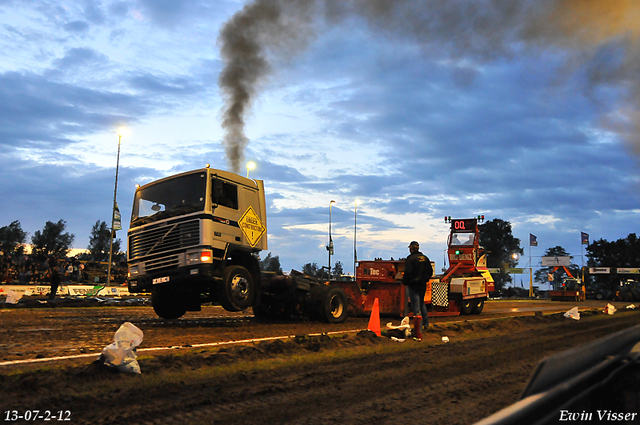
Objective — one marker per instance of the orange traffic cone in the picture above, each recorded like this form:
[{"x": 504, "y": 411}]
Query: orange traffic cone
[{"x": 374, "y": 320}]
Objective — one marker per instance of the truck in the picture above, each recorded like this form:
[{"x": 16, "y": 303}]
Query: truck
[
  {"x": 568, "y": 289},
  {"x": 462, "y": 289},
  {"x": 195, "y": 238}
]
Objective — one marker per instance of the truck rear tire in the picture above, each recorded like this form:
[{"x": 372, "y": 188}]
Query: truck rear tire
[
  {"x": 167, "y": 304},
  {"x": 333, "y": 305},
  {"x": 237, "y": 290},
  {"x": 478, "y": 306},
  {"x": 466, "y": 307}
]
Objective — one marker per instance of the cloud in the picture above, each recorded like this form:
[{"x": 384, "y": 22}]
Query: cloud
[
  {"x": 80, "y": 57},
  {"x": 35, "y": 111},
  {"x": 77, "y": 27}
]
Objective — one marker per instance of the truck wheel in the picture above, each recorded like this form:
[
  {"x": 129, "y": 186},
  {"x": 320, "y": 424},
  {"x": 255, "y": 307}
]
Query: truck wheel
[
  {"x": 167, "y": 304},
  {"x": 237, "y": 289},
  {"x": 466, "y": 307},
  {"x": 333, "y": 306},
  {"x": 478, "y": 306}
]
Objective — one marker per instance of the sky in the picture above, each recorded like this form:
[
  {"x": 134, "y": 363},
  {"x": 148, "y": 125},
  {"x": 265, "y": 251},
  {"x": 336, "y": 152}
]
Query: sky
[{"x": 524, "y": 111}]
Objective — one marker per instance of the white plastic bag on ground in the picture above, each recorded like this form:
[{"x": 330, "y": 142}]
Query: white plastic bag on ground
[
  {"x": 609, "y": 309},
  {"x": 12, "y": 297},
  {"x": 404, "y": 326},
  {"x": 631, "y": 307},
  {"x": 573, "y": 314},
  {"x": 121, "y": 353}
]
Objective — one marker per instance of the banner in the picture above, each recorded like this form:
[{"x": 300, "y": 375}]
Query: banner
[
  {"x": 628, "y": 271},
  {"x": 556, "y": 261},
  {"x": 117, "y": 223},
  {"x": 533, "y": 240},
  {"x": 584, "y": 238}
]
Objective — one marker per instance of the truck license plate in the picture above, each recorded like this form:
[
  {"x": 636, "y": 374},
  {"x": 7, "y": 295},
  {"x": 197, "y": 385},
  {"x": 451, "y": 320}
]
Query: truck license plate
[{"x": 160, "y": 280}]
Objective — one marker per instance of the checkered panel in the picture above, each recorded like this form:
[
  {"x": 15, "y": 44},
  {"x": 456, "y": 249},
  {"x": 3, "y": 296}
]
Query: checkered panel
[{"x": 440, "y": 294}]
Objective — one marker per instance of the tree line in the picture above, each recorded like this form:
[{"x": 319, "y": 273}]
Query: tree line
[
  {"x": 496, "y": 237},
  {"x": 54, "y": 240}
]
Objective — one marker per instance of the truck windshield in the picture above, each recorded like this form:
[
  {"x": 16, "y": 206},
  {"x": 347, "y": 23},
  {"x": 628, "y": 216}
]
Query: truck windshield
[
  {"x": 462, "y": 238},
  {"x": 169, "y": 198}
]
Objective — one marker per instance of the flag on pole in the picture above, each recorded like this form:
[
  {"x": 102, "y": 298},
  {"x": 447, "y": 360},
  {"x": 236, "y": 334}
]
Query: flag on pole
[
  {"x": 584, "y": 238},
  {"x": 117, "y": 223},
  {"x": 533, "y": 240}
]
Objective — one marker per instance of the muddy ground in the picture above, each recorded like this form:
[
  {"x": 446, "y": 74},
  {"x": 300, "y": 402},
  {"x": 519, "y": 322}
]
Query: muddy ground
[{"x": 346, "y": 378}]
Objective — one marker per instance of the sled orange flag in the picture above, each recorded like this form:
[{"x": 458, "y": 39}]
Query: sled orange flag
[{"x": 374, "y": 320}]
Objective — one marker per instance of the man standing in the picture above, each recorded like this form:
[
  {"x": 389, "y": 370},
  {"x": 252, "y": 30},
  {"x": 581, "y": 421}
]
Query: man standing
[
  {"x": 54, "y": 275},
  {"x": 417, "y": 272}
]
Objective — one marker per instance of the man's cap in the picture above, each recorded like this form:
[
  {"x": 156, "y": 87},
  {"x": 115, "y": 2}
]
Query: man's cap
[{"x": 414, "y": 243}]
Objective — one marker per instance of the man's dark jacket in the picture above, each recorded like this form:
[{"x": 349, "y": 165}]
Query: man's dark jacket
[{"x": 417, "y": 271}]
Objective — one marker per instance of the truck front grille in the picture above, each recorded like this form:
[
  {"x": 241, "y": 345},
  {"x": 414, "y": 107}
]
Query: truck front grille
[
  {"x": 161, "y": 263},
  {"x": 165, "y": 238}
]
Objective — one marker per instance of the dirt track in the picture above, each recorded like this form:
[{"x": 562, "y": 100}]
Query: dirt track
[{"x": 348, "y": 379}]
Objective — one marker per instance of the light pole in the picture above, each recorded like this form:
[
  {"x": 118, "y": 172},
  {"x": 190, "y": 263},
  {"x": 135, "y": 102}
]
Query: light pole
[
  {"x": 355, "y": 230},
  {"x": 250, "y": 166},
  {"x": 112, "y": 232},
  {"x": 330, "y": 246},
  {"x": 515, "y": 256}
]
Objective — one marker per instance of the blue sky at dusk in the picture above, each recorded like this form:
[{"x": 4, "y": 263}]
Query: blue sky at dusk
[{"x": 525, "y": 111}]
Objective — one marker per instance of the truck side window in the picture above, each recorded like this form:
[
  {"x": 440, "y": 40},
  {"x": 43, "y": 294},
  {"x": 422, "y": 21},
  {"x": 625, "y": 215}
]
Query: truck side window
[{"x": 224, "y": 194}]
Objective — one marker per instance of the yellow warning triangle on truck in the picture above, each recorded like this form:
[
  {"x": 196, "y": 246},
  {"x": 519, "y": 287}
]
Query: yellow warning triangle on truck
[{"x": 251, "y": 226}]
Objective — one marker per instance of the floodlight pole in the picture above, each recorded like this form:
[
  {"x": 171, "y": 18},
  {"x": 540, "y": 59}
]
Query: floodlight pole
[
  {"x": 355, "y": 230},
  {"x": 330, "y": 246}
]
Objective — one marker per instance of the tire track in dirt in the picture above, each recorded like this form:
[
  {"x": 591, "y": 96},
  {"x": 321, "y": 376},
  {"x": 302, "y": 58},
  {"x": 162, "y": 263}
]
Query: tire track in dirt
[{"x": 457, "y": 383}]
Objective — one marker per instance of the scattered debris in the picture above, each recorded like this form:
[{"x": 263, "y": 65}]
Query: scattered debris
[
  {"x": 12, "y": 297},
  {"x": 445, "y": 339},
  {"x": 631, "y": 307},
  {"x": 609, "y": 309},
  {"x": 573, "y": 314},
  {"x": 121, "y": 354},
  {"x": 399, "y": 332}
]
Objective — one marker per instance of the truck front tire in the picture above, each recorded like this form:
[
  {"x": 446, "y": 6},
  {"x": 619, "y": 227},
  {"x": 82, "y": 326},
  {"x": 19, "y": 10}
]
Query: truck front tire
[
  {"x": 168, "y": 304},
  {"x": 237, "y": 290}
]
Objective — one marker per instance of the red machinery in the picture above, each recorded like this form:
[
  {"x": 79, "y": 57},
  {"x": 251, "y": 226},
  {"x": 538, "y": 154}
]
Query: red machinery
[
  {"x": 571, "y": 289},
  {"x": 463, "y": 289}
]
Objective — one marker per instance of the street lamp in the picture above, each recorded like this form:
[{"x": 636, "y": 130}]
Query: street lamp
[
  {"x": 121, "y": 131},
  {"x": 355, "y": 230},
  {"x": 330, "y": 246},
  {"x": 250, "y": 166}
]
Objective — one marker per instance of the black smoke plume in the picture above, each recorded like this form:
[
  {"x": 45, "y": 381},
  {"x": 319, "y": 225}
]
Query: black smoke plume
[{"x": 598, "y": 38}]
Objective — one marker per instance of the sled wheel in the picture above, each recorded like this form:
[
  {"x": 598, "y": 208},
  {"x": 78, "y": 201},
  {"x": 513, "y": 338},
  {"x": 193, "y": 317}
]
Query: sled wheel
[
  {"x": 167, "y": 304},
  {"x": 466, "y": 307},
  {"x": 478, "y": 306},
  {"x": 333, "y": 305},
  {"x": 237, "y": 289}
]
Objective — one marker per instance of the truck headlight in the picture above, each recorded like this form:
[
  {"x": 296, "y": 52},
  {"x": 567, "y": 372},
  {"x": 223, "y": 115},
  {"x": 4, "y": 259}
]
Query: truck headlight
[
  {"x": 133, "y": 270},
  {"x": 199, "y": 257}
]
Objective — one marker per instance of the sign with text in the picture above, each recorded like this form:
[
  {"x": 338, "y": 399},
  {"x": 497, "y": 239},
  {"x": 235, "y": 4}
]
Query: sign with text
[
  {"x": 628, "y": 271},
  {"x": 599, "y": 270},
  {"x": 556, "y": 261},
  {"x": 251, "y": 226}
]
